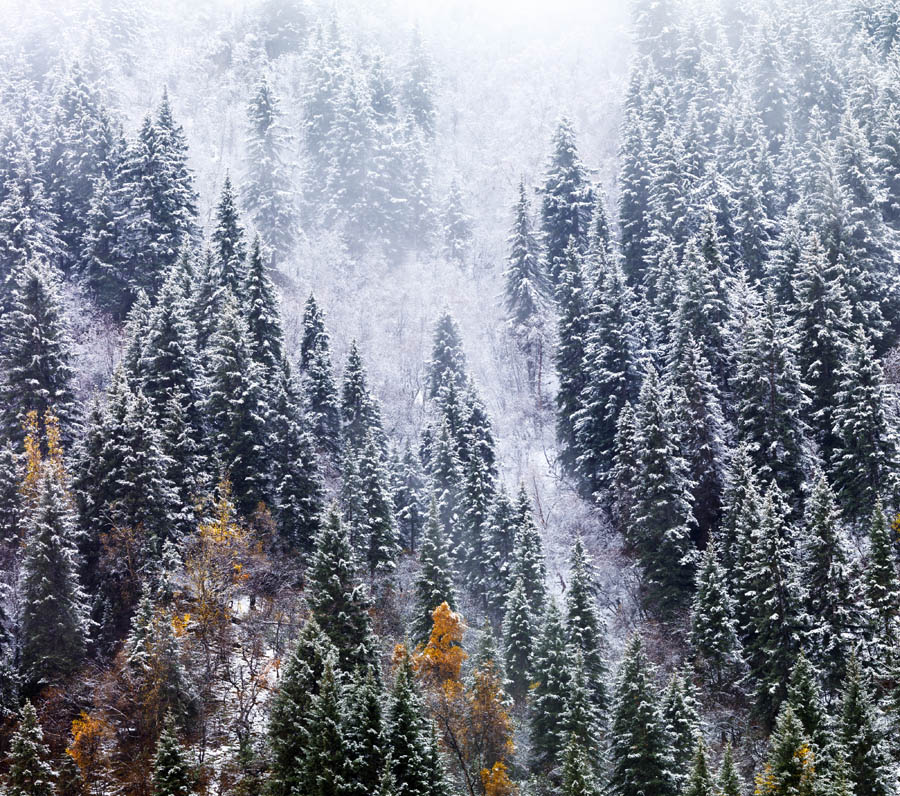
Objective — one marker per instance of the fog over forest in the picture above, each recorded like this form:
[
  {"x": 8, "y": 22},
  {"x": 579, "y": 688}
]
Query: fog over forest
[{"x": 414, "y": 398}]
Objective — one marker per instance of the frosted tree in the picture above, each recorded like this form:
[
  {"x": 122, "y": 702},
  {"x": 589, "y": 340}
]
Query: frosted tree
[
  {"x": 457, "y": 226},
  {"x": 268, "y": 191}
]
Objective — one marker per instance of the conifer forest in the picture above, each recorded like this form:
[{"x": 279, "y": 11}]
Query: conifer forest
[{"x": 417, "y": 398}]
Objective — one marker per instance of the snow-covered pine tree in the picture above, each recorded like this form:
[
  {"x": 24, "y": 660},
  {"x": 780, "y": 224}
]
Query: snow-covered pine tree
[
  {"x": 417, "y": 88},
  {"x": 700, "y": 781},
  {"x": 30, "y": 772},
  {"x": 296, "y": 481},
  {"x": 703, "y": 431},
  {"x": 774, "y": 608},
  {"x": 323, "y": 771},
  {"x": 525, "y": 287},
  {"x": 260, "y": 303},
  {"x": 822, "y": 319},
  {"x": 584, "y": 626},
  {"x": 679, "y": 711},
  {"x": 268, "y": 190},
  {"x": 771, "y": 399},
  {"x": 552, "y": 674},
  {"x": 663, "y": 523},
  {"x": 573, "y": 328},
  {"x": 528, "y": 553},
  {"x": 290, "y": 708},
  {"x": 54, "y": 623},
  {"x": 339, "y": 600},
  {"x": 35, "y": 353},
  {"x": 861, "y": 737},
  {"x": 641, "y": 759},
  {"x": 611, "y": 376},
  {"x": 833, "y": 599},
  {"x": 382, "y": 542},
  {"x": 408, "y": 494},
  {"x": 567, "y": 201},
  {"x": 364, "y": 733},
  {"x": 229, "y": 246},
  {"x": 434, "y": 584},
  {"x": 457, "y": 226},
  {"x": 882, "y": 584},
  {"x": 360, "y": 413},
  {"x": 714, "y": 640},
  {"x": 172, "y": 774},
  {"x": 448, "y": 360},
  {"x": 518, "y": 635},
  {"x": 236, "y": 406},
  {"x": 865, "y": 461}
]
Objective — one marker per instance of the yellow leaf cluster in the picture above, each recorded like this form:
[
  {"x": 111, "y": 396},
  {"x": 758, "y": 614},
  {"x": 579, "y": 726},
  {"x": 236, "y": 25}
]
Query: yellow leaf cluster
[
  {"x": 496, "y": 782},
  {"x": 442, "y": 657}
]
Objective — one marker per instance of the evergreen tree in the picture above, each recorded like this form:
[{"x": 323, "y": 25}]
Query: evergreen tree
[
  {"x": 326, "y": 758},
  {"x": 407, "y": 736},
  {"x": 30, "y": 773},
  {"x": 525, "y": 284},
  {"x": 339, "y": 600},
  {"x": 567, "y": 201},
  {"x": 572, "y": 326},
  {"x": 611, "y": 376},
  {"x": 679, "y": 713},
  {"x": 322, "y": 405},
  {"x": 867, "y": 760},
  {"x": 364, "y": 733},
  {"x": 228, "y": 241},
  {"x": 35, "y": 355},
  {"x": 261, "y": 312},
  {"x": 577, "y": 775},
  {"x": 296, "y": 480},
  {"x": 832, "y": 598},
  {"x": 12, "y": 471},
  {"x": 702, "y": 435},
  {"x": 54, "y": 623},
  {"x": 551, "y": 672},
  {"x": 882, "y": 584},
  {"x": 584, "y": 626},
  {"x": 236, "y": 407},
  {"x": 790, "y": 767},
  {"x": 408, "y": 503},
  {"x": 771, "y": 399},
  {"x": 268, "y": 186},
  {"x": 448, "y": 361},
  {"x": 808, "y": 703},
  {"x": 634, "y": 195},
  {"x": 728, "y": 782},
  {"x": 434, "y": 584},
  {"x": 382, "y": 542},
  {"x": 518, "y": 635},
  {"x": 418, "y": 87},
  {"x": 640, "y": 751},
  {"x": 663, "y": 521},
  {"x": 172, "y": 774},
  {"x": 291, "y": 705},
  {"x": 714, "y": 640},
  {"x": 528, "y": 555},
  {"x": 359, "y": 410},
  {"x": 315, "y": 336},
  {"x": 823, "y": 325},
  {"x": 101, "y": 257},
  {"x": 774, "y": 621},
  {"x": 865, "y": 461},
  {"x": 457, "y": 226},
  {"x": 700, "y": 781}
]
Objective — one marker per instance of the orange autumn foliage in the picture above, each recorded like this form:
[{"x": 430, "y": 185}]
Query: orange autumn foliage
[
  {"x": 496, "y": 782},
  {"x": 440, "y": 660},
  {"x": 91, "y": 737}
]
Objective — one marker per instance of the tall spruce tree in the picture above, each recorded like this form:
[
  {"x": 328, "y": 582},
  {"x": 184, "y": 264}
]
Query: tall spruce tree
[
  {"x": 172, "y": 775},
  {"x": 268, "y": 192},
  {"x": 641, "y": 759},
  {"x": 339, "y": 600},
  {"x": 30, "y": 772},
  {"x": 861, "y": 737},
  {"x": 35, "y": 352},
  {"x": 434, "y": 585},
  {"x": 584, "y": 626},
  {"x": 518, "y": 636},
  {"x": 567, "y": 201}
]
